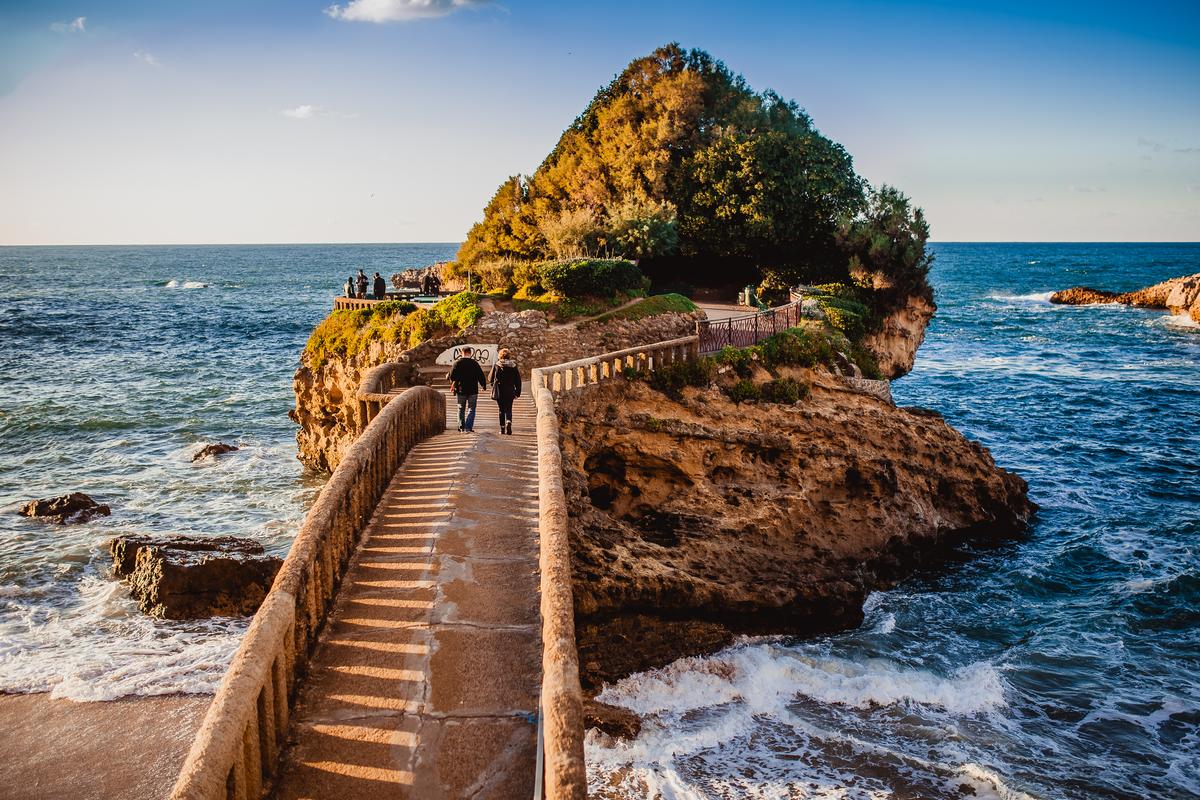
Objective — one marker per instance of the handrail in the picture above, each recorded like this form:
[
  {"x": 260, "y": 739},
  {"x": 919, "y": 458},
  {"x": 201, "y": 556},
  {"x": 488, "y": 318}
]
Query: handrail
[
  {"x": 748, "y": 329},
  {"x": 375, "y": 391},
  {"x": 562, "y": 769},
  {"x": 236, "y": 750}
]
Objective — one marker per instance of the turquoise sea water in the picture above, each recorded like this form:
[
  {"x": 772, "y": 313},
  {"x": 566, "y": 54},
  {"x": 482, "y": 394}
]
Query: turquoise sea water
[
  {"x": 118, "y": 364},
  {"x": 1063, "y": 664}
]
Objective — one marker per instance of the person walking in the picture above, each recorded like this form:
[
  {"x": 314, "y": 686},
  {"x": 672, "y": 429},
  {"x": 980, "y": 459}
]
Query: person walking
[
  {"x": 350, "y": 286},
  {"x": 466, "y": 379},
  {"x": 380, "y": 287},
  {"x": 362, "y": 284},
  {"x": 506, "y": 387}
]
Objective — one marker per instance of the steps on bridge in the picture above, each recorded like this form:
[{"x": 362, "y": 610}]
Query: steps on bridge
[{"x": 425, "y": 682}]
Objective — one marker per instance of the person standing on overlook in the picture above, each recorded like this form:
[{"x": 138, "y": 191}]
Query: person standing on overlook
[
  {"x": 380, "y": 287},
  {"x": 466, "y": 379},
  {"x": 362, "y": 284},
  {"x": 350, "y": 286},
  {"x": 506, "y": 387}
]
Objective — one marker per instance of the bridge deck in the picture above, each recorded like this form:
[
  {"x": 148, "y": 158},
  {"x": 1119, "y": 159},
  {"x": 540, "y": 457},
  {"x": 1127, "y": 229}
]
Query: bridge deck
[{"x": 425, "y": 681}]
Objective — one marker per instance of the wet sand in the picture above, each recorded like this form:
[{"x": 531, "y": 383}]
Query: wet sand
[{"x": 130, "y": 748}]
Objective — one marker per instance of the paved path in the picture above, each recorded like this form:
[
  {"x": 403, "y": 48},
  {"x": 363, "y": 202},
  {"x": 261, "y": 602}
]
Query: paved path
[{"x": 425, "y": 682}]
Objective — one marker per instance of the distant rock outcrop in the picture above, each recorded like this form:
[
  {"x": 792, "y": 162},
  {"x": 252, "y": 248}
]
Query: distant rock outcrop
[
  {"x": 696, "y": 521},
  {"x": 217, "y": 449},
  {"x": 182, "y": 577},
  {"x": 69, "y": 508},
  {"x": 1177, "y": 295}
]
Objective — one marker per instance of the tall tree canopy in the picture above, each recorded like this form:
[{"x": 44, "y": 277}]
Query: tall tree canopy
[{"x": 680, "y": 164}]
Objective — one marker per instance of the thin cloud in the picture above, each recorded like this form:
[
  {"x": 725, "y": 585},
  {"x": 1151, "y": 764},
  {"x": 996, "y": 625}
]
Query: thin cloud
[
  {"x": 1087, "y": 189},
  {"x": 77, "y": 25},
  {"x": 1163, "y": 147},
  {"x": 380, "y": 11},
  {"x": 147, "y": 58},
  {"x": 307, "y": 111}
]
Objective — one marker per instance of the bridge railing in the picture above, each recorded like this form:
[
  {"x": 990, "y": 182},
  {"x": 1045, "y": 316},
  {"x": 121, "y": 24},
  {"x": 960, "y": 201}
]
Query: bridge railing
[
  {"x": 236, "y": 751},
  {"x": 748, "y": 329},
  {"x": 375, "y": 391},
  {"x": 564, "y": 775}
]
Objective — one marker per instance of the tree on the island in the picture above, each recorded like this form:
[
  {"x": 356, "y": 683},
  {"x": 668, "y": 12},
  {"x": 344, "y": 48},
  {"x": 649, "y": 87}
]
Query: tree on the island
[
  {"x": 886, "y": 243},
  {"x": 679, "y": 164}
]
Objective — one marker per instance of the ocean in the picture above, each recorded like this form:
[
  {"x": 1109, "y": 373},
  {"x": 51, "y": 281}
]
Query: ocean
[
  {"x": 118, "y": 364},
  {"x": 1065, "y": 663}
]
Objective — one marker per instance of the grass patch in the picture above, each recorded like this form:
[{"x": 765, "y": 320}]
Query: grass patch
[{"x": 651, "y": 307}]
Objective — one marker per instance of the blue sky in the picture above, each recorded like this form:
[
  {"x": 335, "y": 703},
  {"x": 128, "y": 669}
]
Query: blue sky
[{"x": 394, "y": 120}]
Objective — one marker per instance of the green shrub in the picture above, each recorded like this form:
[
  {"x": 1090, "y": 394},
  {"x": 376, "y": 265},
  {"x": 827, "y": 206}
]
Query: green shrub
[
  {"x": 846, "y": 315},
  {"x": 671, "y": 379},
  {"x": 387, "y": 308},
  {"x": 459, "y": 311},
  {"x": 591, "y": 277},
  {"x": 742, "y": 391},
  {"x": 865, "y": 360},
  {"x": 739, "y": 358},
  {"x": 527, "y": 278},
  {"x": 796, "y": 347},
  {"x": 418, "y": 326},
  {"x": 784, "y": 391}
]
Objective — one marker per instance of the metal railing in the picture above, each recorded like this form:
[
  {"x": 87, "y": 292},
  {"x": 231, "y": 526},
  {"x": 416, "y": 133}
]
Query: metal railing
[
  {"x": 748, "y": 329},
  {"x": 236, "y": 751}
]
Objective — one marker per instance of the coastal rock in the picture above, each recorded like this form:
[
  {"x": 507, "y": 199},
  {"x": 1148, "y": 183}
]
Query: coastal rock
[
  {"x": 696, "y": 521},
  {"x": 1177, "y": 295},
  {"x": 75, "y": 507},
  {"x": 217, "y": 449},
  {"x": 182, "y": 577},
  {"x": 617, "y": 722},
  {"x": 896, "y": 342}
]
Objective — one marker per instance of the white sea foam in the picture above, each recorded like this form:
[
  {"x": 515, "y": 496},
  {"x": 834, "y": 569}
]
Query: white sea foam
[
  {"x": 126, "y": 652},
  {"x": 1033, "y": 297},
  {"x": 1180, "y": 321},
  {"x": 186, "y": 284}
]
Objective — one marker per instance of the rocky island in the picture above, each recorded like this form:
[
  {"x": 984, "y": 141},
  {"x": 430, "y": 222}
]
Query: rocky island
[
  {"x": 1180, "y": 296},
  {"x": 757, "y": 490}
]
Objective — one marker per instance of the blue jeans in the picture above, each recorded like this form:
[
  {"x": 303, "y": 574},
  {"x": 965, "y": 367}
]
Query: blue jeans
[{"x": 466, "y": 411}]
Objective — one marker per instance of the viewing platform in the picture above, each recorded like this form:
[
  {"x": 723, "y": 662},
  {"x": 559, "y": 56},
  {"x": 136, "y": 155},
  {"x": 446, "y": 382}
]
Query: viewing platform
[{"x": 343, "y": 302}]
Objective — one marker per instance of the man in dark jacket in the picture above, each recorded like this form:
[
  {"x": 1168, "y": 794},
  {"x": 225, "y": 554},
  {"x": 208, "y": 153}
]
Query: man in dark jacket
[
  {"x": 380, "y": 287},
  {"x": 466, "y": 379},
  {"x": 362, "y": 284}
]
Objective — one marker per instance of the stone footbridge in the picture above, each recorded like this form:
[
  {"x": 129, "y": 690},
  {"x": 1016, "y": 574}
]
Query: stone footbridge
[{"x": 419, "y": 641}]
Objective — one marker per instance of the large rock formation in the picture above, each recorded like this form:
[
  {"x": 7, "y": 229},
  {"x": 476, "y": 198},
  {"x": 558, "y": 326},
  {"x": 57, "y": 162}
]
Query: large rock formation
[
  {"x": 69, "y": 508},
  {"x": 699, "y": 520},
  {"x": 902, "y": 332},
  {"x": 325, "y": 393},
  {"x": 182, "y": 577},
  {"x": 214, "y": 450},
  {"x": 1177, "y": 295}
]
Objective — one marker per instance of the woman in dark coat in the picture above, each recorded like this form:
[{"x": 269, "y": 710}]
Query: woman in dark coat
[{"x": 506, "y": 387}]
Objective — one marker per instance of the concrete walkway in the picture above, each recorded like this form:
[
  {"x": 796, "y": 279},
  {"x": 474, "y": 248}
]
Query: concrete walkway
[{"x": 425, "y": 682}]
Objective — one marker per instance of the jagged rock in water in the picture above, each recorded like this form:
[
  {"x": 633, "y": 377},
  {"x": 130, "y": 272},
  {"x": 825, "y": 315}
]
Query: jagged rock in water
[
  {"x": 1177, "y": 295},
  {"x": 183, "y": 577},
  {"x": 217, "y": 449},
  {"x": 69, "y": 508},
  {"x": 617, "y": 722},
  {"x": 696, "y": 521}
]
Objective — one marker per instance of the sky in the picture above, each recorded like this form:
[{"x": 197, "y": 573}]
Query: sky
[{"x": 151, "y": 122}]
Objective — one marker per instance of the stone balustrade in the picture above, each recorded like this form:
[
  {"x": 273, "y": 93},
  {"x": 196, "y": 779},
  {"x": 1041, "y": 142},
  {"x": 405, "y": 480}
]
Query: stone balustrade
[
  {"x": 236, "y": 752},
  {"x": 587, "y": 371},
  {"x": 376, "y": 390}
]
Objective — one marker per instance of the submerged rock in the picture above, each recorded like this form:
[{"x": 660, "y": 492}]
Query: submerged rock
[
  {"x": 617, "y": 722},
  {"x": 183, "y": 577},
  {"x": 69, "y": 508},
  {"x": 1177, "y": 295},
  {"x": 218, "y": 449}
]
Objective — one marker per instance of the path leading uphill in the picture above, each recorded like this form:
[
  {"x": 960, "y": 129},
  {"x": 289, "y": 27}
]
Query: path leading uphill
[{"x": 425, "y": 682}]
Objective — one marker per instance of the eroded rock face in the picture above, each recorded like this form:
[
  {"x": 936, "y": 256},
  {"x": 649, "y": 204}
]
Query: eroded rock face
[
  {"x": 693, "y": 522},
  {"x": 213, "y": 450},
  {"x": 1177, "y": 295},
  {"x": 182, "y": 577},
  {"x": 75, "y": 507},
  {"x": 895, "y": 344}
]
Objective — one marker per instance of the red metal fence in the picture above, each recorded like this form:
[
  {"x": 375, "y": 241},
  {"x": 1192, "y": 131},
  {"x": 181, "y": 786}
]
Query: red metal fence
[{"x": 748, "y": 329}]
